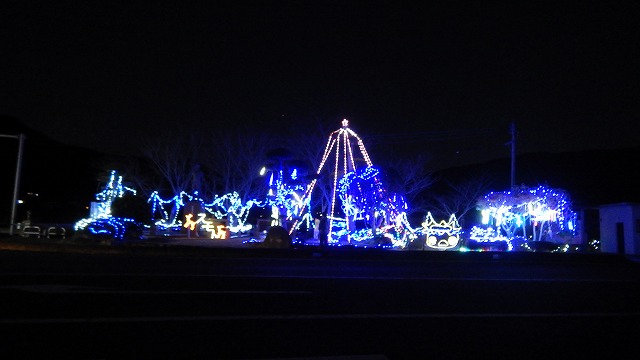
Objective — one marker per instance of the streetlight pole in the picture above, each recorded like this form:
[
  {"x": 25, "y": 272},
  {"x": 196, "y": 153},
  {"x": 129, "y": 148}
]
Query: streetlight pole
[{"x": 16, "y": 184}]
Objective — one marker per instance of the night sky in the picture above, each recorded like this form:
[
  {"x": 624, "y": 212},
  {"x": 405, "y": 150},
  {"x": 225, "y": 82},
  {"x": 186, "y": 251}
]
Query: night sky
[{"x": 445, "y": 79}]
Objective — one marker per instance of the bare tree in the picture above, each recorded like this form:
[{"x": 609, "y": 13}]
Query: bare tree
[
  {"x": 176, "y": 161},
  {"x": 140, "y": 172},
  {"x": 407, "y": 176},
  {"x": 461, "y": 197},
  {"x": 309, "y": 147},
  {"x": 234, "y": 161}
]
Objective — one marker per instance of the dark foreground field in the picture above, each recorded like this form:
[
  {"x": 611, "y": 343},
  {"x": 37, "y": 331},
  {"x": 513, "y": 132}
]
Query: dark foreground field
[{"x": 174, "y": 301}]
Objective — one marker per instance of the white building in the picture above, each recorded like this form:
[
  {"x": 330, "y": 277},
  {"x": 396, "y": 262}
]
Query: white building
[{"x": 620, "y": 228}]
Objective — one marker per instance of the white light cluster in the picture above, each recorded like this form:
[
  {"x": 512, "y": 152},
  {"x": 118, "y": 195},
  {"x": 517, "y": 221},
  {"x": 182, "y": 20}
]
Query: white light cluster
[{"x": 532, "y": 214}]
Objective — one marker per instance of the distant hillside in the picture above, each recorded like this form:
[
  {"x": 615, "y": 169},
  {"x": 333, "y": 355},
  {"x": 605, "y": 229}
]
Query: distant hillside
[
  {"x": 63, "y": 177},
  {"x": 591, "y": 178}
]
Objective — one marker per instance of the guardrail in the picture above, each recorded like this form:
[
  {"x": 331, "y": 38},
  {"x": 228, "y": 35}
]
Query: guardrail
[{"x": 32, "y": 231}]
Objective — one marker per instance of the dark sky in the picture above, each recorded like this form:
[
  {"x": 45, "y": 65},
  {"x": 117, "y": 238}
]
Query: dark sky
[{"x": 448, "y": 79}]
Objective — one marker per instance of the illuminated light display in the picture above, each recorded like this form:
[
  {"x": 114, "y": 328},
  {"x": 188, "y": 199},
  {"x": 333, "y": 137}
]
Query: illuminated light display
[
  {"x": 100, "y": 220},
  {"x": 190, "y": 224},
  {"x": 111, "y": 226},
  {"x": 489, "y": 235},
  {"x": 113, "y": 189},
  {"x": 540, "y": 214},
  {"x": 362, "y": 212},
  {"x": 215, "y": 230},
  {"x": 285, "y": 197},
  {"x": 228, "y": 206},
  {"x": 231, "y": 207},
  {"x": 443, "y": 235},
  {"x": 159, "y": 206},
  {"x": 360, "y": 209}
]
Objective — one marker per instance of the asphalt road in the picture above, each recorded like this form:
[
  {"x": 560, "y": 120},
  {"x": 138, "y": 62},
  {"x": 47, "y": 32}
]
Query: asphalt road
[{"x": 308, "y": 304}]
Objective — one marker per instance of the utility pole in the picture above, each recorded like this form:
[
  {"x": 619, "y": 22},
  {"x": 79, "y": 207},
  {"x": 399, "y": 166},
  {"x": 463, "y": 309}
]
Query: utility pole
[
  {"x": 513, "y": 155},
  {"x": 16, "y": 183}
]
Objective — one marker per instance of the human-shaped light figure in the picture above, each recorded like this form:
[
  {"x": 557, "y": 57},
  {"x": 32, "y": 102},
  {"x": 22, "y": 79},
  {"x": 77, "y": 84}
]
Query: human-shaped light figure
[{"x": 113, "y": 189}]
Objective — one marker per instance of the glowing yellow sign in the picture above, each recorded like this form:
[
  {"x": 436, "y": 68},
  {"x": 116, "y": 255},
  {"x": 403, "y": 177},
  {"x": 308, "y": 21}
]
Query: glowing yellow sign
[{"x": 213, "y": 226}]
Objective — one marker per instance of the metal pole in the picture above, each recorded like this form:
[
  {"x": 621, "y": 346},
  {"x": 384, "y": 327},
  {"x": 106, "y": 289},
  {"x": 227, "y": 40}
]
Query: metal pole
[
  {"x": 16, "y": 184},
  {"x": 513, "y": 155}
]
